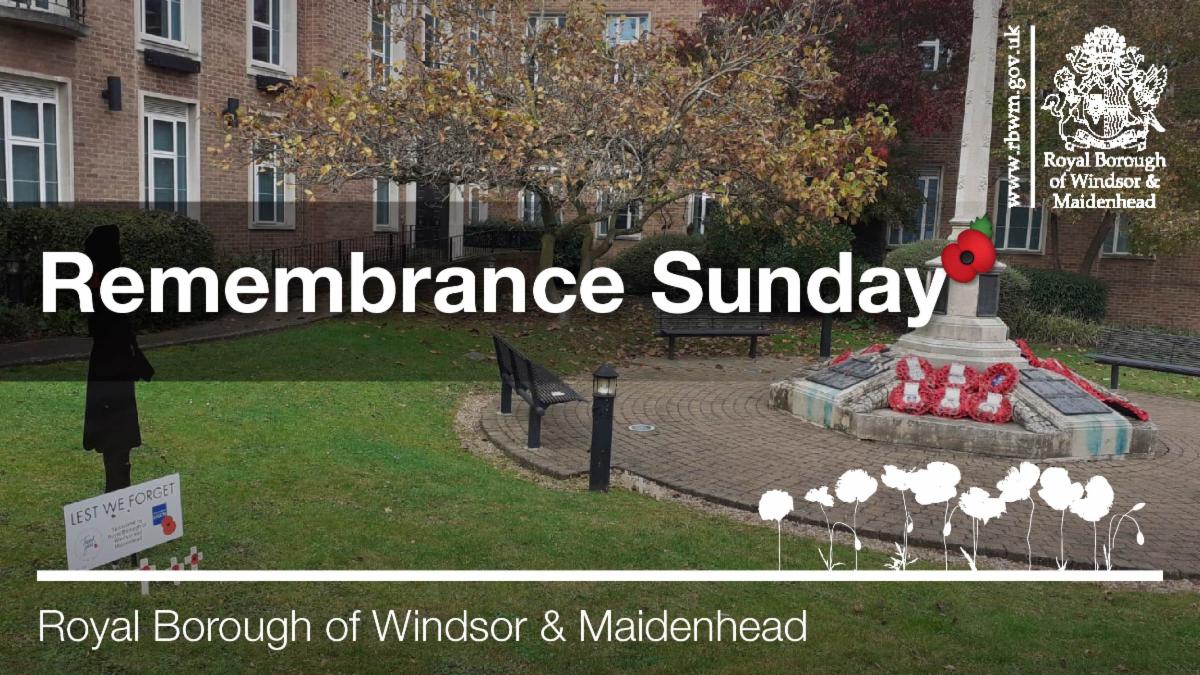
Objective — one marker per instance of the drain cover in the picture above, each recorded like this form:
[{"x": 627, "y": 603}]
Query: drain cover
[{"x": 641, "y": 428}]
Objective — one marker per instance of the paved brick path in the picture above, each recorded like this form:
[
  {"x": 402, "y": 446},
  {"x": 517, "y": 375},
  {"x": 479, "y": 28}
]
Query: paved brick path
[{"x": 716, "y": 438}]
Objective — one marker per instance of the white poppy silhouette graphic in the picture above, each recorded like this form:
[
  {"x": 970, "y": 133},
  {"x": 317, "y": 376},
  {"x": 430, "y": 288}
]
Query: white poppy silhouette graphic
[
  {"x": 775, "y": 505},
  {"x": 898, "y": 479},
  {"x": 1016, "y": 486},
  {"x": 821, "y": 497},
  {"x": 1112, "y": 533},
  {"x": 937, "y": 483},
  {"x": 1097, "y": 501},
  {"x": 855, "y": 487},
  {"x": 1059, "y": 493},
  {"x": 980, "y": 506}
]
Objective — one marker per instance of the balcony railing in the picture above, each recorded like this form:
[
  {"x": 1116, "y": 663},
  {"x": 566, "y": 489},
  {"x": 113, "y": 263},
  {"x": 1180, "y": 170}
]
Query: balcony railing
[{"x": 64, "y": 17}]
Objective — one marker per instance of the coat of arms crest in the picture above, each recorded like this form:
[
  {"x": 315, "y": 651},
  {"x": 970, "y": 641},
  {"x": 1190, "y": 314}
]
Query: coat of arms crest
[{"x": 1105, "y": 99}]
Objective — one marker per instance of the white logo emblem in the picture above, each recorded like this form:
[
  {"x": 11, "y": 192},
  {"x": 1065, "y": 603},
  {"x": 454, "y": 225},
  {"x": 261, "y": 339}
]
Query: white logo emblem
[{"x": 1106, "y": 100}]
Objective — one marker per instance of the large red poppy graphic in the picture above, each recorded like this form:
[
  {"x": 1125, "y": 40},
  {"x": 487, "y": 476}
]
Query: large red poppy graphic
[
  {"x": 973, "y": 253},
  {"x": 168, "y": 525}
]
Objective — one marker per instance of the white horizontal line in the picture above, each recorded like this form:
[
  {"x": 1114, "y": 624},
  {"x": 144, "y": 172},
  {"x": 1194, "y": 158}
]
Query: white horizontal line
[{"x": 589, "y": 576}]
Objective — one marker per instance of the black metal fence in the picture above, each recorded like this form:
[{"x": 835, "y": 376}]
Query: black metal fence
[
  {"x": 395, "y": 250},
  {"x": 75, "y": 9}
]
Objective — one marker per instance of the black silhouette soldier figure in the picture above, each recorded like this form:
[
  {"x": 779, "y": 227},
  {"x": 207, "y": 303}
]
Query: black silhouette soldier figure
[{"x": 110, "y": 420}]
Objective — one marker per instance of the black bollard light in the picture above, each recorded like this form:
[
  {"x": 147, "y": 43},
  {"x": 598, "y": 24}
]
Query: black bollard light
[
  {"x": 13, "y": 282},
  {"x": 604, "y": 392},
  {"x": 826, "y": 335}
]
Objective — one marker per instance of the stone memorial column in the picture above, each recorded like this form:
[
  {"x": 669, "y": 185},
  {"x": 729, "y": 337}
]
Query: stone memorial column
[{"x": 966, "y": 329}]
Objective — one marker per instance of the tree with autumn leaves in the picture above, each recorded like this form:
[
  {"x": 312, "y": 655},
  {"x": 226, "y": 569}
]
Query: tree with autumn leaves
[
  {"x": 1166, "y": 33},
  {"x": 588, "y": 124}
]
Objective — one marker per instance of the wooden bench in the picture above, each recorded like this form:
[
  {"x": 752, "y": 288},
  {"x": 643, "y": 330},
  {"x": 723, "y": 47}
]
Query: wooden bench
[
  {"x": 538, "y": 386},
  {"x": 1147, "y": 350},
  {"x": 707, "y": 323}
]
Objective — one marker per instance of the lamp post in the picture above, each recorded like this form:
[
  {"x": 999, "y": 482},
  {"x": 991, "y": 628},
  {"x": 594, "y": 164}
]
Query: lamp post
[
  {"x": 604, "y": 392},
  {"x": 12, "y": 281}
]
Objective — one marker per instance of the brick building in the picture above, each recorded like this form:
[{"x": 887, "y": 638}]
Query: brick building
[{"x": 119, "y": 101}]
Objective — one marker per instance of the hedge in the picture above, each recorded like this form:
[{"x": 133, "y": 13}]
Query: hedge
[
  {"x": 1053, "y": 328},
  {"x": 1067, "y": 294},
  {"x": 522, "y": 236},
  {"x": 148, "y": 239},
  {"x": 636, "y": 264}
]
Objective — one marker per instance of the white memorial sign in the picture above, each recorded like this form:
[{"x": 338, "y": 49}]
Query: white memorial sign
[{"x": 123, "y": 522}]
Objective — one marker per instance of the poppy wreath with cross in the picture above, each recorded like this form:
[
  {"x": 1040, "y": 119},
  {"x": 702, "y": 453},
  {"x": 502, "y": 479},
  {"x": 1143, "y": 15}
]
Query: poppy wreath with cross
[
  {"x": 989, "y": 406},
  {"x": 913, "y": 369},
  {"x": 910, "y": 397},
  {"x": 999, "y": 378}
]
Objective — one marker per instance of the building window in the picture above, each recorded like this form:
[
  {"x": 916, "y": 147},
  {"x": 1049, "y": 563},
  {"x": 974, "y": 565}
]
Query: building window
[
  {"x": 29, "y": 166},
  {"x": 272, "y": 40},
  {"x": 701, "y": 206},
  {"x": 381, "y": 43},
  {"x": 1117, "y": 242},
  {"x": 625, "y": 28},
  {"x": 270, "y": 199},
  {"x": 383, "y": 204},
  {"x": 934, "y": 56},
  {"x": 627, "y": 218},
  {"x": 476, "y": 206},
  {"x": 1018, "y": 228},
  {"x": 430, "y": 42},
  {"x": 924, "y": 222},
  {"x": 529, "y": 207},
  {"x": 540, "y": 22},
  {"x": 163, "y": 19},
  {"x": 167, "y": 154}
]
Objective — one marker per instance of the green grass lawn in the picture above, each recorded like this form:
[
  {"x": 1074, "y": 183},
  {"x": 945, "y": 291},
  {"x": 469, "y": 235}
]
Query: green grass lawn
[{"x": 341, "y": 474}]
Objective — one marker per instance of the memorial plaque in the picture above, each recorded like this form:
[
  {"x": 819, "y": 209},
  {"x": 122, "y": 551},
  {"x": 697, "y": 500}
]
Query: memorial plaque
[
  {"x": 834, "y": 380},
  {"x": 848, "y": 373},
  {"x": 1065, "y": 396}
]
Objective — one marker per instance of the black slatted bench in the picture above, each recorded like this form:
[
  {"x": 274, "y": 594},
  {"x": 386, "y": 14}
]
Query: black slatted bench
[
  {"x": 539, "y": 387},
  {"x": 1147, "y": 350},
  {"x": 706, "y": 323}
]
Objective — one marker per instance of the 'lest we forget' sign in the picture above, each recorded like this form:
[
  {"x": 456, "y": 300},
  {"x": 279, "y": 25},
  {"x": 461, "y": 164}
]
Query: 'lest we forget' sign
[{"x": 123, "y": 522}]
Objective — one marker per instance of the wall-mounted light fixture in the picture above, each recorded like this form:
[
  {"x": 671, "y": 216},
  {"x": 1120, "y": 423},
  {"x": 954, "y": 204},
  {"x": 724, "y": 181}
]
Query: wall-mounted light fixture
[{"x": 113, "y": 93}]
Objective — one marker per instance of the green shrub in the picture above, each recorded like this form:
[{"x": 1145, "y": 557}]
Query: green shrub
[
  {"x": 517, "y": 235},
  {"x": 1067, "y": 294},
  {"x": 148, "y": 239},
  {"x": 1053, "y": 328},
  {"x": 636, "y": 264}
]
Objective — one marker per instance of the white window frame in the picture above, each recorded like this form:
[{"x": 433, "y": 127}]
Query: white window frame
[
  {"x": 925, "y": 228},
  {"x": 1121, "y": 222},
  {"x": 393, "y": 206},
  {"x": 190, "y": 16},
  {"x": 286, "y": 189},
  {"x": 11, "y": 141},
  {"x": 190, "y": 117},
  {"x": 527, "y": 207},
  {"x": 1001, "y": 203},
  {"x": 539, "y": 21},
  {"x": 613, "y": 38},
  {"x": 287, "y": 41},
  {"x": 476, "y": 205},
  {"x": 392, "y": 55},
  {"x": 705, "y": 198},
  {"x": 941, "y": 58}
]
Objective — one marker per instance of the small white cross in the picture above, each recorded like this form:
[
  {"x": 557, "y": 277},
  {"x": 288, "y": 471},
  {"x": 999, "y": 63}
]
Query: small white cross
[
  {"x": 176, "y": 567},
  {"x": 145, "y": 566},
  {"x": 193, "y": 559}
]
